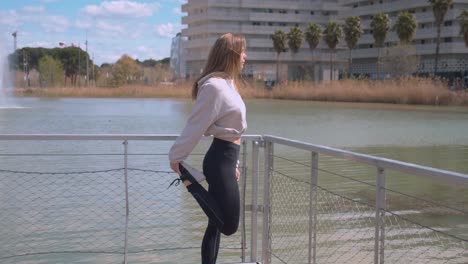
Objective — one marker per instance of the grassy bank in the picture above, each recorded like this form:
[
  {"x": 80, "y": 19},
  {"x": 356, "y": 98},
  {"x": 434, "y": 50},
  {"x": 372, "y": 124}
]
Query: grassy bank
[{"x": 409, "y": 91}]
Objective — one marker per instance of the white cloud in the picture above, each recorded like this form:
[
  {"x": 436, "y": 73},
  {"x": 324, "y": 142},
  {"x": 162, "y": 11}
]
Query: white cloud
[
  {"x": 54, "y": 23},
  {"x": 47, "y": 1},
  {"x": 121, "y": 9},
  {"x": 177, "y": 11},
  {"x": 9, "y": 18},
  {"x": 33, "y": 9},
  {"x": 168, "y": 30},
  {"x": 106, "y": 29}
]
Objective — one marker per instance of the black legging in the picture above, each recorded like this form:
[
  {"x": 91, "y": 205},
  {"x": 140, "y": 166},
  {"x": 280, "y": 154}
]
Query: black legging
[{"x": 221, "y": 202}]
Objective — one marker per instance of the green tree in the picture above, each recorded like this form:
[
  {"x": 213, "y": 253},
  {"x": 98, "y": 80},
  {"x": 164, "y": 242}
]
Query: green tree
[
  {"x": 439, "y": 9},
  {"x": 73, "y": 60},
  {"x": 332, "y": 33},
  {"x": 380, "y": 25},
  {"x": 463, "y": 21},
  {"x": 313, "y": 35},
  {"x": 353, "y": 31},
  {"x": 279, "y": 44},
  {"x": 125, "y": 70},
  {"x": 405, "y": 27},
  {"x": 50, "y": 71}
]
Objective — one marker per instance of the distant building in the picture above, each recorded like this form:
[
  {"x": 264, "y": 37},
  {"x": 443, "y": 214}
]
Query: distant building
[
  {"x": 177, "y": 60},
  {"x": 258, "y": 19},
  {"x": 453, "y": 58}
]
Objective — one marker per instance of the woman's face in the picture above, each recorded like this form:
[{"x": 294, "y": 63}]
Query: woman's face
[{"x": 243, "y": 56}]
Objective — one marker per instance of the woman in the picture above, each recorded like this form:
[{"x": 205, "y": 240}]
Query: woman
[{"x": 218, "y": 111}]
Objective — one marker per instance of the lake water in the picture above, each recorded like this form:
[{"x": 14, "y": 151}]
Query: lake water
[{"x": 426, "y": 135}]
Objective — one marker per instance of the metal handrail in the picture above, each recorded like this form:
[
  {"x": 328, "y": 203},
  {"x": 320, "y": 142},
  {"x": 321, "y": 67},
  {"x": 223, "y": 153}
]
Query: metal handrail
[
  {"x": 451, "y": 177},
  {"x": 103, "y": 137}
]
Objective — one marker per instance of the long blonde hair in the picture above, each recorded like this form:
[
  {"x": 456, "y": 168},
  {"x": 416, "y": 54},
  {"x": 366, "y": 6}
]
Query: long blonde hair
[{"x": 224, "y": 57}]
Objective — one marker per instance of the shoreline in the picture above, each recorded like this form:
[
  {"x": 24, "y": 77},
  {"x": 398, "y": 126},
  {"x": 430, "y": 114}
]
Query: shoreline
[{"x": 413, "y": 91}]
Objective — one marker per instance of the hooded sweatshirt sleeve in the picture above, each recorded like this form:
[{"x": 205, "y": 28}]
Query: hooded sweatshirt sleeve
[{"x": 204, "y": 114}]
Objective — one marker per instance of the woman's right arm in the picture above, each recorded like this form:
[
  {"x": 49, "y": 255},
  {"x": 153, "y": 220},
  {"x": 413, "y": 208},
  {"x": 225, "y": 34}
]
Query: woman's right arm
[{"x": 204, "y": 114}]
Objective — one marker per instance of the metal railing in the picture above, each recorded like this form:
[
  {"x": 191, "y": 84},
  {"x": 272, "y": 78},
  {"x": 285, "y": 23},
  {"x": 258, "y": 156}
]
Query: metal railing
[
  {"x": 334, "y": 211},
  {"x": 84, "y": 198}
]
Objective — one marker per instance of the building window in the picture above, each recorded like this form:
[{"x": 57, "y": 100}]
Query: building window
[
  {"x": 312, "y": 12},
  {"x": 297, "y": 12},
  {"x": 448, "y": 23},
  {"x": 447, "y": 40}
]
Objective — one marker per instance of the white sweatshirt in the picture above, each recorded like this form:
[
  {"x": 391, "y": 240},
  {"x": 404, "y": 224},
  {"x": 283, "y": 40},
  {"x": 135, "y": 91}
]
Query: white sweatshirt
[{"x": 219, "y": 111}]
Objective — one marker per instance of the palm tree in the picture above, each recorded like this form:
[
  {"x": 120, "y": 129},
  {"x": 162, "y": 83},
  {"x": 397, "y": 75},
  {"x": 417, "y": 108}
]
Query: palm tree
[
  {"x": 463, "y": 21},
  {"x": 279, "y": 44},
  {"x": 380, "y": 25},
  {"x": 439, "y": 9},
  {"x": 352, "y": 31},
  {"x": 332, "y": 35},
  {"x": 313, "y": 35},
  {"x": 405, "y": 58},
  {"x": 405, "y": 27},
  {"x": 295, "y": 38}
]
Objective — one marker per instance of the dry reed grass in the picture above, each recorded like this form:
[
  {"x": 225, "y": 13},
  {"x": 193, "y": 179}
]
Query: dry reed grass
[
  {"x": 422, "y": 91},
  {"x": 404, "y": 91}
]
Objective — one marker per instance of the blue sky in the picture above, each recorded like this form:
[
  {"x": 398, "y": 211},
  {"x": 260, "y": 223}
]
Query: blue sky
[{"x": 139, "y": 28}]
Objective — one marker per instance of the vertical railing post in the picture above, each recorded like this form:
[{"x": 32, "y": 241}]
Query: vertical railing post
[
  {"x": 244, "y": 187},
  {"x": 379, "y": 217},
  {"x": 127, "y": 210},
  {"x": 313, "y": 209},
  {"x": 266, "y": 242},
  {"x": 254, "y": 220}
]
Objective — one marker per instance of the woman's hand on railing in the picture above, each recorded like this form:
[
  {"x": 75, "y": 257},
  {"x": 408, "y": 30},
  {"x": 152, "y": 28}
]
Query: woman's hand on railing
[{"x": 175, "y": 167}]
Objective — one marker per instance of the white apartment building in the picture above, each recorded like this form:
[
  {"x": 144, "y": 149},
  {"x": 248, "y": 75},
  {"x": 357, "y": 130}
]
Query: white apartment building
[
  {"x": 453, "y": 57},
  {"x": 258, "y": 19}
]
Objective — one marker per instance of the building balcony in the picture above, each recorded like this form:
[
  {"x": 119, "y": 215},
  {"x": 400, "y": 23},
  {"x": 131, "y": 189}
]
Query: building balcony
[
  {"x": 199, "y": 43},
  {"x": 288, "y": 5},
  {"x": 422, "y": 49},
  {"x": 213, "y": 15},
  {"x": 210, "y": 29},
  {"x": 289, "y": 18}
]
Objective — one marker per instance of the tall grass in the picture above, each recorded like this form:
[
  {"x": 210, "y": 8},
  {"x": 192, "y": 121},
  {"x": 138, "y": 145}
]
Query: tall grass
[{"x": 404, "y": 91}]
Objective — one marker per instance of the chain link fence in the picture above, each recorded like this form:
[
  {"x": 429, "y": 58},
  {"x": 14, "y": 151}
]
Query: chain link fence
[
  {"x": 79, "y": 201},
  {"x": 60, "y": 205},
  {"x": 336, "y": 221}
]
